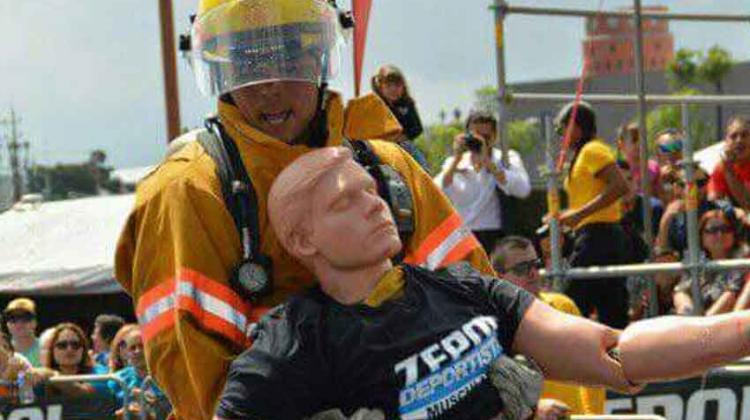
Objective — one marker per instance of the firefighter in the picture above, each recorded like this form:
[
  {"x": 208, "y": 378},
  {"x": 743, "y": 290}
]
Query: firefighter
[{"x": 181, "y": 253}]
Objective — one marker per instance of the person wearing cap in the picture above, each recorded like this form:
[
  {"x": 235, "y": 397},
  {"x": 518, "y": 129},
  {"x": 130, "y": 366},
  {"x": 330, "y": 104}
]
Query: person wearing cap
[
  {"x": 594, "y": 186},
  {"x": 20, "y": 318},
  {"x": 269, "y": 63}
]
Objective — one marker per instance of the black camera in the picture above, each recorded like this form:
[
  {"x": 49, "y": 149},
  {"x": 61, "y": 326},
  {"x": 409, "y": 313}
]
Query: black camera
[{"x": 472, "y": 143}]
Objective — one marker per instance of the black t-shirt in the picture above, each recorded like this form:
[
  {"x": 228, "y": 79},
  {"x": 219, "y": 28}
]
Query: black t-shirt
[{"x": 423, "y": 355}]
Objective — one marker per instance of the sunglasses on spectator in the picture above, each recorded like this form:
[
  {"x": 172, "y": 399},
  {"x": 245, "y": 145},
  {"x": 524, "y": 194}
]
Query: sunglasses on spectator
[
  {"x": 70, "y": 344},
  {"x": 671, "y": 147},
  {"x": 699, "y": 182},
  {"x": 712, "y": 230},
  {"x": 524, "y": 267},
  {"x": 20, "y": 317}
]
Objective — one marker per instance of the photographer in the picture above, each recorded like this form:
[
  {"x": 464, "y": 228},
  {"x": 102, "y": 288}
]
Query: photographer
[{"x": 472, "y": 176}]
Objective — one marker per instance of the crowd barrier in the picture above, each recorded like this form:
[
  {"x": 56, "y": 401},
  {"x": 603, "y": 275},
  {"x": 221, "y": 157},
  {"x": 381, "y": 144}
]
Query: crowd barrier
[
  {"x": 721, "y": 394},
  {"x": 617, "y": 417},
  {"x": 694, "y": 266},
  {"x": 96, "y": 406}
]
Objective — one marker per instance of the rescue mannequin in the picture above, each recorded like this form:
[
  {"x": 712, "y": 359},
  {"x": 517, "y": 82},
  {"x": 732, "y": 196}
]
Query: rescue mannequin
[{"x": 326, "y": 213}]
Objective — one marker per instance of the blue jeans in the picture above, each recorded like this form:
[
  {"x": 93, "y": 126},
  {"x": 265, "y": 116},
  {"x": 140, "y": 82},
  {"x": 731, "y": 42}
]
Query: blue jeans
[{"x": 417, "y": 154}]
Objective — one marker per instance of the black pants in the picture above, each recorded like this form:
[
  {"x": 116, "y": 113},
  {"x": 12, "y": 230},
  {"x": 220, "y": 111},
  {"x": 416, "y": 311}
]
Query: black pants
[
  {"x": 488, "y": 238},
  {"x": 600, "y": 244}
]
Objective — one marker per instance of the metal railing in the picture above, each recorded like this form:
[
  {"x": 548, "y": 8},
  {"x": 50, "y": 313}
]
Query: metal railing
[
  {"x": 63, "y": 379},
  {"x": 98, "y": 378},
  {"x": 148, "y": 381},
  {"x": 505, "y": 8},
  {"x": 613, "y": 98},
  {"x": 617, "y": 417},
  {"x": 694, "y": 266}
]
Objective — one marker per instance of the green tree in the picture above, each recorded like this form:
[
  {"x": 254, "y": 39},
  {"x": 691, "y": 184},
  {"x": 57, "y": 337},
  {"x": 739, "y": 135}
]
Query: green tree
[
  {"x": 524, "y": 135},
  {"x": 670, "y": 116},
  {"x": 62, "y": 181},
  {"x": 682, "y": 70},
  {"x": 437, "y": 143},
  {"x": 486, "y": 98},
  {"x": 713, "y": 68}
]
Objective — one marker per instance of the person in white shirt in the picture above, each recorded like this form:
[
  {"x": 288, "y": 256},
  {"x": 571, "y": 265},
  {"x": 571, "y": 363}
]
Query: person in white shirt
[{"x": 471, "y": 177}]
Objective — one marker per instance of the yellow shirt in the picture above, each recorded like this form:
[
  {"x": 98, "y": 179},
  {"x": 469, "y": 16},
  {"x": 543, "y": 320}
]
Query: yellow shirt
[
  {"x": 390, "y": 286},
  {"x": 580, "y": 399},
  {"x": 582, "y": 185}
]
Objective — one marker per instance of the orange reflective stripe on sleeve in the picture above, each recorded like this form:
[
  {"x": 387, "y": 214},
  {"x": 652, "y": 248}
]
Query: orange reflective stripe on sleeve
[
  {"x": 213, "y": 305},
  {"x": 155, "y": 309},
  {"x": 448, "y": 243},
  {"x": 464, "y": 246}
]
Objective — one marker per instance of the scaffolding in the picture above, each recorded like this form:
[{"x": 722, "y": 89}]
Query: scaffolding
[{"x": 694, "y": 266}]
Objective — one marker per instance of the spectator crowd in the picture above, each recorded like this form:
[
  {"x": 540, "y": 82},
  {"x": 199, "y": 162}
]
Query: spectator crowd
[
  {"x": 28, "y": 363},
  {"x": 604, "y": 223}
]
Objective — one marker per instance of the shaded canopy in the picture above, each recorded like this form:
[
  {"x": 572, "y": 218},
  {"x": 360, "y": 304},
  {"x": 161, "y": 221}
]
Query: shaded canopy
[{"x": 63, "y": 247}]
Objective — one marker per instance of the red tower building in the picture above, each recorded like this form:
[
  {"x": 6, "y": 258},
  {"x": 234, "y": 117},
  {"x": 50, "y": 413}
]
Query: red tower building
[{"x": 610, "y": 43}]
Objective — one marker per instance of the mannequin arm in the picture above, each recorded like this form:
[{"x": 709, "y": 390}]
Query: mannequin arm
[
  {"x": 690, "y": 345},
  {"x": 568, "y": 348}
]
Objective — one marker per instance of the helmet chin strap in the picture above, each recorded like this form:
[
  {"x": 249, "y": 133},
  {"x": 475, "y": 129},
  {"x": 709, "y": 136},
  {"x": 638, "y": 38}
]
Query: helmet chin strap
[{"x": 319, "y": 124}]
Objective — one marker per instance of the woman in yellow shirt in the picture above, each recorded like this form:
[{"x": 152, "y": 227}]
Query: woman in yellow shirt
[{"x": 594, "y": 187}]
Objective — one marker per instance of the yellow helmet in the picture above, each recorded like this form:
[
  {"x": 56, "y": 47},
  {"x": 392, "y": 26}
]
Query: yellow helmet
[{"x": 237, "y": 43}]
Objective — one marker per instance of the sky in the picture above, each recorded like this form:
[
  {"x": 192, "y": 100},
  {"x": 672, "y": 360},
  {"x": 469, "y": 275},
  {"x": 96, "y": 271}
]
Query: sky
[{"x": 86, "y": 74}]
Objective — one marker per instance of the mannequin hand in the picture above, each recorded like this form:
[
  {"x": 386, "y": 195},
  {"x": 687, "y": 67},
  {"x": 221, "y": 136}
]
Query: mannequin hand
[{"x": 549, "y": 409}]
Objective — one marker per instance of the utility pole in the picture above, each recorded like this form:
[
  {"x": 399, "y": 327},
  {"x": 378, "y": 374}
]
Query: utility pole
[
  {"x": 14, "y": 146},
  {"x": 169, "y": 65}
]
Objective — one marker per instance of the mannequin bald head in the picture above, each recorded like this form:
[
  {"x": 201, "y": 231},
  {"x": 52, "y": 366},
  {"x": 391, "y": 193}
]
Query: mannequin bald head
[
  {"x": 326, "y": 212},
  {"x": 289, "y": 198}
]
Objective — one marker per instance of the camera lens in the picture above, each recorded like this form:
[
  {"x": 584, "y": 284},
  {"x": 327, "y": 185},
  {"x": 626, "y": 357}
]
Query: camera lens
[{"x": 473, "y": 144}]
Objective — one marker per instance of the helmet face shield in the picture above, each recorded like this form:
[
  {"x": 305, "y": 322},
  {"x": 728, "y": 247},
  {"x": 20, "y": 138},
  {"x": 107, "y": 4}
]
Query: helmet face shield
[{"x": 246, "y": 42}]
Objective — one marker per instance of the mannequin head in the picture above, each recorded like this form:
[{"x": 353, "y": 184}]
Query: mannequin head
[{"x": 326, "y": 212}]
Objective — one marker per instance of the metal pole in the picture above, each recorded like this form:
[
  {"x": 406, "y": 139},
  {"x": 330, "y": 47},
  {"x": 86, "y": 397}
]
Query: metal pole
[
  {"x": 630, "y": 99},
  {"x": 653, "y": 306},
  {"x": 13, "y": 147},
  {"x": 169, "y": 65},
  {"x": 556, "y": 11},
  {"x": 98, "y": 378},
  {"x": 553, "y": 200},
  {"x": 624, "y": 270},
  {"x": 692, "y": 200},
  {"x": 499, "y": 8}
]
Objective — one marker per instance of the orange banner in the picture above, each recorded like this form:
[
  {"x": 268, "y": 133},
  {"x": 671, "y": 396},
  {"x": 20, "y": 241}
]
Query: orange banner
[{"x": 361, "y": 13}]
